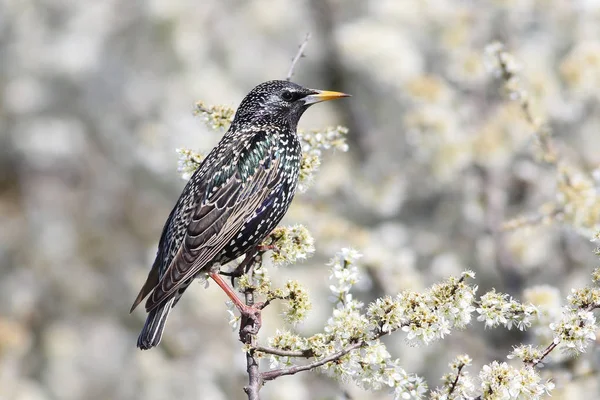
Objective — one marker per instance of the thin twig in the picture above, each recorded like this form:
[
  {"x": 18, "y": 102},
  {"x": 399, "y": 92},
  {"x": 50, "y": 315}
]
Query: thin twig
[
  {"x": 202, "y": 108},
  {"x": 276, "y": 373},
  {"x": 548, "y": 350},
  {"x": 308, "y": 353},
  {"x": 532, "y": 220},
  {"x": 297, "y": 57},
  {"x": 541, "y": 130},
  {"x": 455, "y": 380}
]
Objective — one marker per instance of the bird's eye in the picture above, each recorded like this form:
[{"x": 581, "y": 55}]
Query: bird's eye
[{"x": 287, "y": 95}]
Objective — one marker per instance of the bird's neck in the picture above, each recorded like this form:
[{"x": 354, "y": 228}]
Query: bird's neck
[{"x": 283, "y": 124}]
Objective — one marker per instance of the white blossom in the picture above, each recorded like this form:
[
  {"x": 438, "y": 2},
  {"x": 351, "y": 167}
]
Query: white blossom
[
  {"x": 499, "y": 309},
  {"x": 290, "y": 244},
  {"x": 425, "y": 316},
  {"x": 285, "y": 340},
  {"x": 344, "y": 273},
  {"x": 500, "y": 381},
  {"x": 188, "y": 162},
  {"x": 298, "y": 303},
  {"x": 314, "y": 141},
  {"x": 234, "y": 319},
  {"x": 458, "y": 384},
  {"x": 575, "y": 331},
  {"x": 528, "y": 353}
]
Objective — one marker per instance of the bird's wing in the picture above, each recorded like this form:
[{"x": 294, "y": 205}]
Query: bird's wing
[
  {"x": 222, "y": 213},
  {"x": 154, "y": 274}
]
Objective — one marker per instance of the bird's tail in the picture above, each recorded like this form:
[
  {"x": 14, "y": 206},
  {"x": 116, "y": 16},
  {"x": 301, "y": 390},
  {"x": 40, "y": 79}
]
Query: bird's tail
[{"x": 154, "y": 326}]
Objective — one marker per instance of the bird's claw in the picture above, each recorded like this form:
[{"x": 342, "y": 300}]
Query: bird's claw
[
  {"x": 243, "y": 267},
  {"x": 251, "y": 321}
]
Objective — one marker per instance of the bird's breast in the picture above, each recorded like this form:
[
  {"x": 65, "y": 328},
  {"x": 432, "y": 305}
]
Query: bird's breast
[{"x": 270, "y": 212}]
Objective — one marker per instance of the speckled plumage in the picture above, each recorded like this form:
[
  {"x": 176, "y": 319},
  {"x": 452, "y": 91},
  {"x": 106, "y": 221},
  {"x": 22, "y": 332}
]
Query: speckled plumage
[{"x": 233, "y": 201}]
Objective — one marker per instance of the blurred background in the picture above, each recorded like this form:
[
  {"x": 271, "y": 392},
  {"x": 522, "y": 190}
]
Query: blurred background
[{"x": 95, "y": 96}]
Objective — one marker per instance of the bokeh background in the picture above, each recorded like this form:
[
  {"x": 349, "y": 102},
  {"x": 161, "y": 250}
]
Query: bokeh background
[{"x": 95, "y": 96}]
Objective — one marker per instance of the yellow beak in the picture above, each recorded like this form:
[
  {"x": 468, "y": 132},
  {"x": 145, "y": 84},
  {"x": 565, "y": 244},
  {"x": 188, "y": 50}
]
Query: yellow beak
[{"x": 323, "y": 95}]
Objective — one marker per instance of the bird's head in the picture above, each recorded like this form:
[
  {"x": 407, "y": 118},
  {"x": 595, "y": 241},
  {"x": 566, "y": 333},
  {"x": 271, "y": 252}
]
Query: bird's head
[{"x": 280, "y": 101}]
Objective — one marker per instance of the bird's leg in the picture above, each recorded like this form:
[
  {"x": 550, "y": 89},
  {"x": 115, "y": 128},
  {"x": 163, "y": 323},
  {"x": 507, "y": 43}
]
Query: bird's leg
[
  {"x": 228, "y": 291},
  {"x": 266, "y": 247},
  {"x": 251, "y": 258},
  {"x": 243, "y": 267},
  {"x": 248, "y": 312},
  {"x": 248, "y": 262}
]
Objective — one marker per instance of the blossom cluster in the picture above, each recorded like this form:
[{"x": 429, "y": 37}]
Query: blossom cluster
[
  {"x": 344, "y": 272},
  {"x": 584, "y": 298},
  {"x": 313, "y": 143},
  {"x": 309, "y": 164},
  {"x": 528, "y": 353},
  {"x": 216, "y": 117},
  {"x": 500, "y": 309},
  {"x": 288, "y": 341},
  {"x": 500, "y": 381},
  {"x": 298, "y": 304},
  {"x": 289, "y": 244},
  {"x": 575, "y": 331},
  {"x": 426, "y": 316},
  {"x": 188, "y": 162}
]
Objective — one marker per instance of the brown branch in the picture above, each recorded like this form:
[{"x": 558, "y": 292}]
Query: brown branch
[
  {"x": 308, "y": 353},
  {"x": 254, "y": 378},
  {"x": 276, "y": 373},
  {"x": 250, "y": 324},
  {"x": 297, "y": 57}
]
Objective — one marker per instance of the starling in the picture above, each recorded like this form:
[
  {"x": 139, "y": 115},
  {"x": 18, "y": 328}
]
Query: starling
[{"x": 236, "y": 197}]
